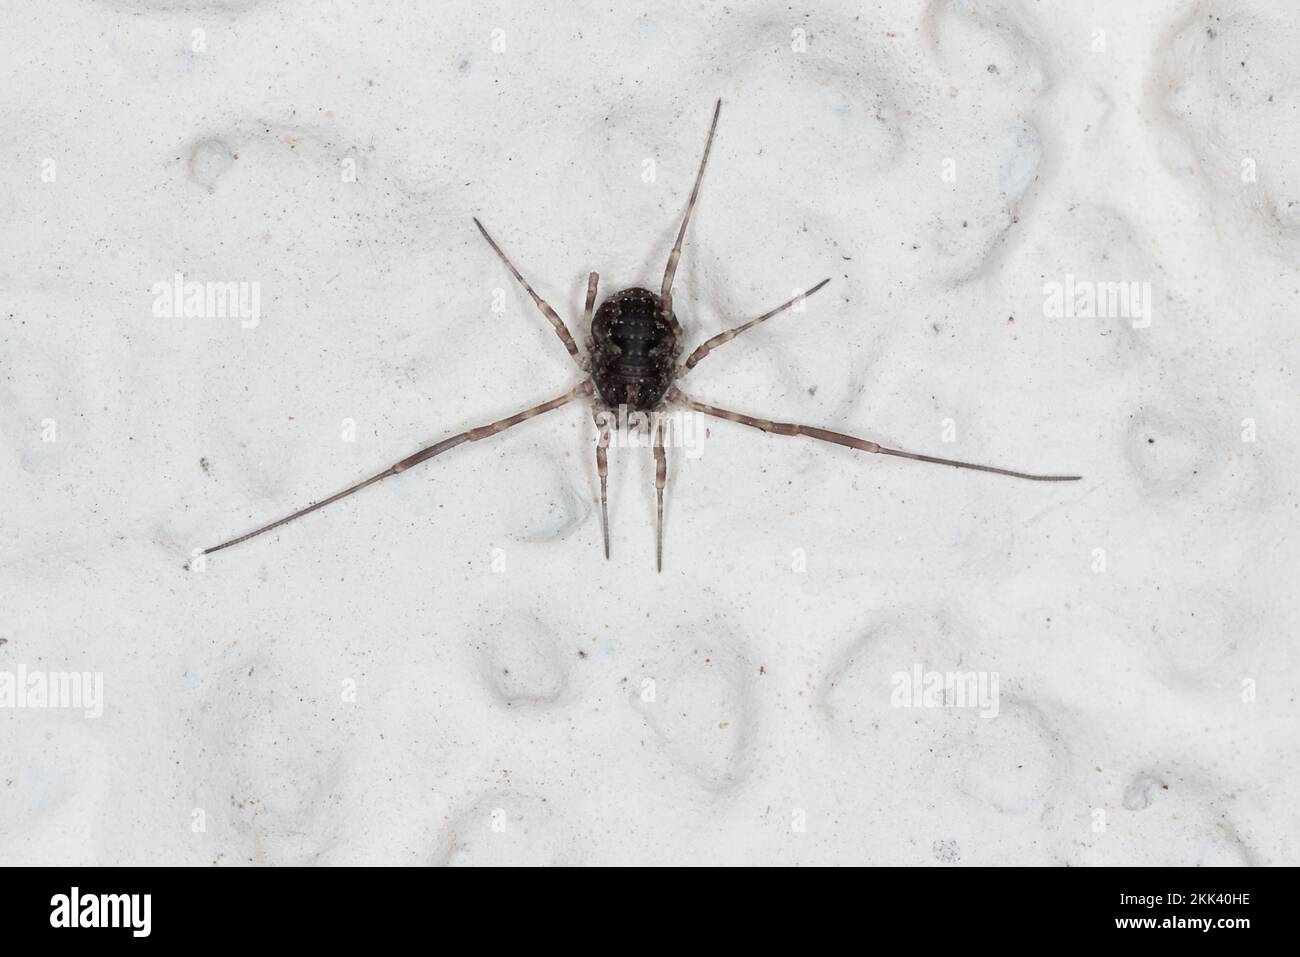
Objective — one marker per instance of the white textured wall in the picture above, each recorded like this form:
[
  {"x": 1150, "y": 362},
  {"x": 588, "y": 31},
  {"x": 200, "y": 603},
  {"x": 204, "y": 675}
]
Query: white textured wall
[{"x": 799, "y": 577}]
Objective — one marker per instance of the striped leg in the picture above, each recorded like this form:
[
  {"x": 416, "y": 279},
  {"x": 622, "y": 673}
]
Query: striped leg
[
  {"x": 710, "y": 344},
  {"x": 592, "y": 280},
  {"x": 561, "y": 329},
  {"x": 661, "y": 479},
  {"x": 848, "y": 441},
  {"x": 666, "y": 291},
  {"x": 602, "y": 470},
  {"x": 469, "y": 435}
]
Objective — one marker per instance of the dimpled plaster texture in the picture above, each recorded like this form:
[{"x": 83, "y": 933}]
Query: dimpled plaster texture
[{"x": 848, "y": 658}]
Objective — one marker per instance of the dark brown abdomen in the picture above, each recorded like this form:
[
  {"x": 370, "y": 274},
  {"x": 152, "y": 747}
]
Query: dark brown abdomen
[{"x": 634, "y": 350}]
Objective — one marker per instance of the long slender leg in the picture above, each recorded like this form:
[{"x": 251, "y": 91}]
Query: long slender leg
[
  {"x": 661, "y": 479},
  {"x": 602, "y": 470},
  {"x": 666, "y": 291},
  {"x": 710, "y": 344},
  {"x": 561, "y": 329},
  {"x": 469, "y": 435},
  {"x": 849, "y": 441},
  {"x": 592, "y": 280}
]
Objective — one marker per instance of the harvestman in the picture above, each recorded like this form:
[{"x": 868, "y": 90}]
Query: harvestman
[{"x": 631, "y": 361}]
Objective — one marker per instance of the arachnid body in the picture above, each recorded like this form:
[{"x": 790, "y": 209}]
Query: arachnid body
[
  {"x": 633, "y": 364},
  {"x": 633, "y": 350}
]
